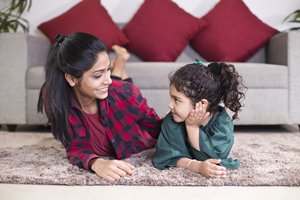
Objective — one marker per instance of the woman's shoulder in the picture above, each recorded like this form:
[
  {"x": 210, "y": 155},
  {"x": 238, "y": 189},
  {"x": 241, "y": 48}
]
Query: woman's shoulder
[
  {"x": 118, "y": 85},
  {"x": 123, "y": 87}
]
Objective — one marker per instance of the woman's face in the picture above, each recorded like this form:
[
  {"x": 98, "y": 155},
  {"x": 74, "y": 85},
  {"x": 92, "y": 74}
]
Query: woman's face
[
  {"x": 179, "y": 104},
  {"x": 94, "y": 82}
]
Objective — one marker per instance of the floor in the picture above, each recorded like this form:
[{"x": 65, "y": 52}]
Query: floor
[{"x": 44, "y": 192}]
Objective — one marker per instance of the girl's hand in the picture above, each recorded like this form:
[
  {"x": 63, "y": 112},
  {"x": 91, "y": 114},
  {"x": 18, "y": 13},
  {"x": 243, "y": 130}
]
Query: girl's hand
[
  {"x": 111, "y": 170},
  {"x": 209, "y": 168},
  {"x": 197, "y": 116}
]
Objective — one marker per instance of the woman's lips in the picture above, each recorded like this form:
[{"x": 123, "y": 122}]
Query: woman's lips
[{"x": 103, "y": 90}]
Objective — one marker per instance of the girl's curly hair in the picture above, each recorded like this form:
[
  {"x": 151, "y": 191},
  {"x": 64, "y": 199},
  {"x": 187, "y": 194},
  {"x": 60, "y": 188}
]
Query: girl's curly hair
[{"x": 198, "y": 82}]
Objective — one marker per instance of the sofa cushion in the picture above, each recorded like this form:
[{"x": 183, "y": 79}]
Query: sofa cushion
[
  {"x": 87, "y": 16},
  {"x": 35, "y": 78},
  {"x": 233, "y": 33},
  {"x": 160, "y": 30},
  {"x": 254, "y": 74}
]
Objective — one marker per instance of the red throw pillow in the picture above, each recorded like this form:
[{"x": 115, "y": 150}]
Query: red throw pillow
[
  {"x": 234, "y": 33},
  {"x": 160, "y": 30},
  {"x": 87, "y": 16}
]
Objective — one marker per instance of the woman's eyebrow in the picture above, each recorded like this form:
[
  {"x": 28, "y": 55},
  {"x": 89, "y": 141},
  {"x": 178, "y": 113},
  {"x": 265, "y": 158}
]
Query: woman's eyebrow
[{"x": 99, "y": 70}]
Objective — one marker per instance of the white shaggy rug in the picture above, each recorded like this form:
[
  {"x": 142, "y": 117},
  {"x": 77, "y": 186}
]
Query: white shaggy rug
[{"x": 267, "y": 159}]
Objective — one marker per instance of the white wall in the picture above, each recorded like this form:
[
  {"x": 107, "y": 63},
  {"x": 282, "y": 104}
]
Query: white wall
[{"x": 271, "y": 12}]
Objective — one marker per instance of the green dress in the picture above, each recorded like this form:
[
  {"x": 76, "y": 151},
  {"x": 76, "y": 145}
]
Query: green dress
[{"x": 216, "y": 140}]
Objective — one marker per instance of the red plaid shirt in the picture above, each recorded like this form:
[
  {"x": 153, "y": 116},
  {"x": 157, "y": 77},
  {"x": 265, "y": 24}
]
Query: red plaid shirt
[{"x": 130, "y": 125}]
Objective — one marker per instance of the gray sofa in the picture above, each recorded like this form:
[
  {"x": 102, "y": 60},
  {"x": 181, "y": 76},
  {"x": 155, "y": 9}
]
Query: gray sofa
[{"x": 272, "y": 78}]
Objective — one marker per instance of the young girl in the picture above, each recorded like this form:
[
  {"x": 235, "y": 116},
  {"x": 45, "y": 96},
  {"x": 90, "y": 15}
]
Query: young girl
[
  {"x": 91, "y": 114},
  {"x": 198, "y": 133}
]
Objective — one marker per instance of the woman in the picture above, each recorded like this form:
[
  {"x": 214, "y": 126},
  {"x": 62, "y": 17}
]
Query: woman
[{"x": 91, "y": 114}]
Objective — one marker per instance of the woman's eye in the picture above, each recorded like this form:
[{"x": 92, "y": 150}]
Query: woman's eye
[{"x": 96, "y": 77}]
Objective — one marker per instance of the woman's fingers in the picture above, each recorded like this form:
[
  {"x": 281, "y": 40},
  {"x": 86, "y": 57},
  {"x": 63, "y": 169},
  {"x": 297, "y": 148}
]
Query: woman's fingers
[
  {"x": 112, "y": 170},
  {"x": 126, "y": 167}
]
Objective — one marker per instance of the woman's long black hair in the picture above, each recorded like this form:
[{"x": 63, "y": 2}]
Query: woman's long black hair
[
  {"x": 74, "y": 54},
  {"x": 199, "y": 82}
]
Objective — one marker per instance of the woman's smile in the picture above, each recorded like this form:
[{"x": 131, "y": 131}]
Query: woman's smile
[{"x": 103, "y": 90}]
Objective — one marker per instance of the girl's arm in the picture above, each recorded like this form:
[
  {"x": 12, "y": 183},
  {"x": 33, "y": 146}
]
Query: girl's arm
[
  {"x": 208, "y": 168},
  {"x": 197, "y": 117}
]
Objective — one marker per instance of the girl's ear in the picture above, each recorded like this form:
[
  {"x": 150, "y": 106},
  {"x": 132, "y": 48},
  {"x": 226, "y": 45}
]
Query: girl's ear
[
  {"x": 70, "y": 79},
  {"x": 204, "y": 102}
]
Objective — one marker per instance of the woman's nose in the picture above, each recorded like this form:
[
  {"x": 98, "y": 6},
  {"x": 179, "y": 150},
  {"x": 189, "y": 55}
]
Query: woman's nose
[{"x": 107, "y": 79}]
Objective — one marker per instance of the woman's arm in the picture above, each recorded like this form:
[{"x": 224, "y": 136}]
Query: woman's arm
[
  {"x": 208, "y": 168},
  {"x": 110, "y": 170},
  {"x": 146, "y": 116}
]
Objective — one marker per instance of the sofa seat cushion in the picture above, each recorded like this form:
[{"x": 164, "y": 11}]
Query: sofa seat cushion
[
  {"x": 259, "y": 75},
  {"x": 255, "y": 75}
]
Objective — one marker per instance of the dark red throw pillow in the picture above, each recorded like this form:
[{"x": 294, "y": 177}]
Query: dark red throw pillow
[
  {"x": 87, "y": 16},
  {"x": 160, "y": 30},
  {"x": 233, "y": 34}
]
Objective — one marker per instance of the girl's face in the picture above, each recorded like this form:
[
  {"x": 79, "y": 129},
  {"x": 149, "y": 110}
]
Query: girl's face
[
  {"x": 180, "y": 105},
  {"x": 94, "y": 82}
]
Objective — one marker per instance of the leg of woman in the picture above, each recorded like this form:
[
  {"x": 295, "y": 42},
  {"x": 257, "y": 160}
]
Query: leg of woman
[{"x": 118, "y": 64}]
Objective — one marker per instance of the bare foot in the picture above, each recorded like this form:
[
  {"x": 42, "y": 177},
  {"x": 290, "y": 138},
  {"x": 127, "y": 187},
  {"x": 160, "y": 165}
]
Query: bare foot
[
  {"x": 112, "y": 63},
  {"x": 121, "y": 52},
  {"x": 119, "y": 62}
]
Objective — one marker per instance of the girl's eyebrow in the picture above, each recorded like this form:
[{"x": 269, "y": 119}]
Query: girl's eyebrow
[{"x": 176, "y": 97}]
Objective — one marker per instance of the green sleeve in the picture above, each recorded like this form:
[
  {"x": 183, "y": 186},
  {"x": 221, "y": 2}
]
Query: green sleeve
[
  {"x": 216, "y": 141},
  {"x": 171, "y": 144}
]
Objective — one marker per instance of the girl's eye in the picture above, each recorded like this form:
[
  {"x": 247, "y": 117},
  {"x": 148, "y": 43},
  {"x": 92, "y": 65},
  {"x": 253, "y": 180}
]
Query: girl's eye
[{"x": 176, "y": 100}]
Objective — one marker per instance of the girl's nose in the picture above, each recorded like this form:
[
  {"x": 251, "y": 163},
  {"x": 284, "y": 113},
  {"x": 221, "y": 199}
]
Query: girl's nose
[{"x": 170, "y": 105}]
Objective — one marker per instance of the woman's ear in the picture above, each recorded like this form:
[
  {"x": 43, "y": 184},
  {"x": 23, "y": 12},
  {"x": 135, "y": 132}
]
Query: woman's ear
[{"x": 70, "y": 79}]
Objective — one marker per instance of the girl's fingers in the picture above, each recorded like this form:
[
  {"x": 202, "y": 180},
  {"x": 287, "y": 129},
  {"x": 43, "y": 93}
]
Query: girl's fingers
[{"x": 216, "y": 171}]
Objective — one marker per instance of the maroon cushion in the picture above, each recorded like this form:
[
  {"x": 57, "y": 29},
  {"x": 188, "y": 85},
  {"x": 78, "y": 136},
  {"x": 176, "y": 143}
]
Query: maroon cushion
[
  {"x": 234, "y": 34},
  {"x": 87, "y": 16},
  {"x": 160, "y": 30}
]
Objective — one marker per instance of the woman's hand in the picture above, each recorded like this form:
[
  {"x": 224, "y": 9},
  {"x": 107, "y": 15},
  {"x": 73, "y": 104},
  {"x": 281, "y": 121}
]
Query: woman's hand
[
  {"x": 209, "y": 168},
  {"x": 198, "y": 116},
  {"x": 111, "y": 170}
]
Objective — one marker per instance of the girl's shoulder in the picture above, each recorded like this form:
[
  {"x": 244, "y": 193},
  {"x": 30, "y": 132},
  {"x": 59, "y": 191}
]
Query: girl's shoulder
[
  {"x": 220, "y": 120},
  {"x": 169, "y": 126},
  {"x": 172, "y": 132}
]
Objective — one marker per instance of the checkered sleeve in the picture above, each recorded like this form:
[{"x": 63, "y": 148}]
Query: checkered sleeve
[
  {"x": 147, "y": 117},
  {"x": 79, "y": 151}
]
